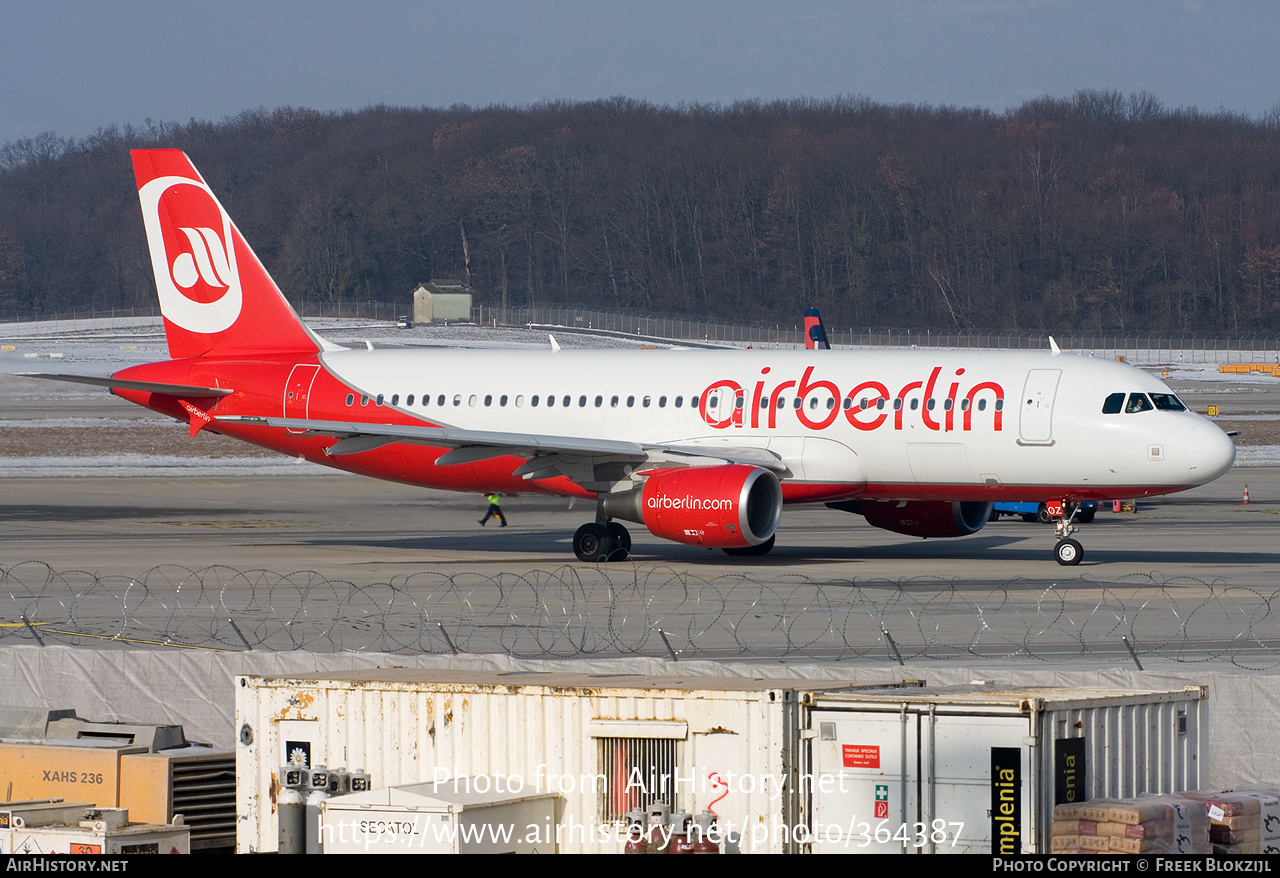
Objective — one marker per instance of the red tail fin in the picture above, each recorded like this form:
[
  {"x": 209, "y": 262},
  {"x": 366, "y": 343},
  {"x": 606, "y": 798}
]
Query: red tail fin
[{"x": 216, "y": 298}]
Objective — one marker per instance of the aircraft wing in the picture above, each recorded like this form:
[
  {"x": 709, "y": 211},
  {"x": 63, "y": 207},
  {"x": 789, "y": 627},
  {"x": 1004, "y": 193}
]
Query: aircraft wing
[
  {"x": 585, "y": 461},
  {"x": 146, "y": 386}
]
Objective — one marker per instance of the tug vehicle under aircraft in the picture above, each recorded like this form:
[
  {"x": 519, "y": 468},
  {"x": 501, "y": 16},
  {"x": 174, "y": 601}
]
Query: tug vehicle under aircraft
[{"x": 700, "y": 447}]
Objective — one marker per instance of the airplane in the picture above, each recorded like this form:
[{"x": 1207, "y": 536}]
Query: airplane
[{"x": 701, "y": 447}]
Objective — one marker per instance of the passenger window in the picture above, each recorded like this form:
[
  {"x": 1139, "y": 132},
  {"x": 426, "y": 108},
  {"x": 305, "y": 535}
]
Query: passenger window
[
  {"x": 519, "y": 401},
  {"x": 880, "y": 404},
  {"x": 679, "y": 401},
  {"x": 662, "y": 402},
  {"x": 395, "y": 399},
  {"x": 364, "y": 399},
  {"x": 631, "y": 401},
  {"x": 982, "y": 405},
  {"x": 813, "y": 402},
  {"x": 831, "y": 403},
  {"x": 457, "y": 399},
  {"x": 379, "y": 399},
  {"x": 351, "y": 398},
  {"x": 502, "y": 400},
  {"x": 599, "y": 401},
  {"x": 946, "y": 405},
  {"x": 1113, "y": 404},
  {"x": 582, "y": 401},
  {"x": 848, "y": 403},
  {"x": 897, "y": 404},
  {"x": 533, "y": 401},
  {"x": 915, "y": 404},
  {"x": 797, "y": 402},
  {"x": 613, "y": 402},
  {"x": 472, "y": 400},
  {"x": 409, "y": 401},
  {"x": 737, "y": 402},
  {"x": 440, "y": 399},
  {"x": 551, "y": 400},
  {"x": 1138, "y": 402},
  {"x": 488, "y": 399},
  {"x": 1167, "y": 402},
  {"x": 566, "y": 400},
  {"x": 693, "y": 402}
]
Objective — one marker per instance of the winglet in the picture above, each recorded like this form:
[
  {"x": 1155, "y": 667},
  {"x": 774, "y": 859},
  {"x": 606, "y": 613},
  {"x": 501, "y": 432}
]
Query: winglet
[
  {"x": 1054, "y": 350},
  {"x": 554, "y": 346}
]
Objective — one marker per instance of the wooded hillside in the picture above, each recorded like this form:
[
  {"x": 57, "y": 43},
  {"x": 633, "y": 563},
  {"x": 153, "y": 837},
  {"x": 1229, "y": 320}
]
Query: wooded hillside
[{"x": 1098, "y": 212}]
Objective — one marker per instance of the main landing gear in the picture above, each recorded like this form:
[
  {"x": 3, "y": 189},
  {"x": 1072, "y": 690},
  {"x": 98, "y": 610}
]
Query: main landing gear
[
  {"x": 1066, "y": 551},
  {"x": 602, "y": 541}
]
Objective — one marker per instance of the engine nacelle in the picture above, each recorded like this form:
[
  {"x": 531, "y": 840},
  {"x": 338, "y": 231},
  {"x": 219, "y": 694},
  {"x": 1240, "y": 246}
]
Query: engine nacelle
[
  {"x": 927, "y": 518},
  {"x": 722, "y": 507}
]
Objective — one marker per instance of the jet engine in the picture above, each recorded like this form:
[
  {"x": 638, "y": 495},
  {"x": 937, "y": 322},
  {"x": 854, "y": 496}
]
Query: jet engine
[
  {"x": 924, "y": 518},
  {"x": 722, "y": 507}
]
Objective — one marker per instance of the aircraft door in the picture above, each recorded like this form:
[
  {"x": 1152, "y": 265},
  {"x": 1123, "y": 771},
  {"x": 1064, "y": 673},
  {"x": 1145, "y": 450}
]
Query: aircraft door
[
  {"x": 1036, "y": 424},
  {"x": 297, "y": 392}
]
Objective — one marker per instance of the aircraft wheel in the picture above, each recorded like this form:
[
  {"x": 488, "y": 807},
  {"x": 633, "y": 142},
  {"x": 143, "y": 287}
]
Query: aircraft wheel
[
  {"x": 762, "y": 549},
  {"x": 1068, "y": 552},
  {"x": 621, "y": 541},
  {"x": 592, "y": 543}
]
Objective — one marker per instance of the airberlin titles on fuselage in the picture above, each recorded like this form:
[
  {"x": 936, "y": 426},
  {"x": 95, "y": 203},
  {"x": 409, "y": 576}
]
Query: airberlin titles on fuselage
[{"x": 866, "y": 406}]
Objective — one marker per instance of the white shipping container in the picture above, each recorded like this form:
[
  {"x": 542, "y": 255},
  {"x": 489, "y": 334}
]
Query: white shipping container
[
  {"x": 921, "y": 770},
  {"x": 785, "y": 766}
]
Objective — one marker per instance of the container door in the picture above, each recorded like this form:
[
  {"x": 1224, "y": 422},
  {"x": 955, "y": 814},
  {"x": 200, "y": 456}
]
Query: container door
[
  {"x": 862, "y": 782},
  {"x": 979, "y": 770}
]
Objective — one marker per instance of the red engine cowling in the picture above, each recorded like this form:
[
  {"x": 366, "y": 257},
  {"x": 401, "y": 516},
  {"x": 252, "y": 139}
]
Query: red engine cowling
[
  {"x": 722, "y": 507},
  {"x": 927, "y": 518}
]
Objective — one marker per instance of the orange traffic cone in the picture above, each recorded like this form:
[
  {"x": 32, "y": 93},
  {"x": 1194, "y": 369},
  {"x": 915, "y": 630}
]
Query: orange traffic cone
[{"x": 1246, "y": 496}]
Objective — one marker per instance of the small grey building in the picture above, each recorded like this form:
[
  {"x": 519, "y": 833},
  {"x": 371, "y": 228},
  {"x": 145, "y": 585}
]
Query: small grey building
[{"x": 439, "y": 300}]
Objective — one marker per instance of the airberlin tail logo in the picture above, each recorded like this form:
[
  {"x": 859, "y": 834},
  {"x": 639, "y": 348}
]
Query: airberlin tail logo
[{"x": 192, "y": 254}]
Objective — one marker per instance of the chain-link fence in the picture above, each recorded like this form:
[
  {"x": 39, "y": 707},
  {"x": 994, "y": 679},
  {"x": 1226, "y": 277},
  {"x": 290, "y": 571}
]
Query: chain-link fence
[{"x": 648, "y": 611}]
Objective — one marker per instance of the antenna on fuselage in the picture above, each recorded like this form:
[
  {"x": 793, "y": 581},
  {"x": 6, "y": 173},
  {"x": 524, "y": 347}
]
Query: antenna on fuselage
[
  {"x": 1054, "y": 350},
  {"x": 554, "y": 346}
]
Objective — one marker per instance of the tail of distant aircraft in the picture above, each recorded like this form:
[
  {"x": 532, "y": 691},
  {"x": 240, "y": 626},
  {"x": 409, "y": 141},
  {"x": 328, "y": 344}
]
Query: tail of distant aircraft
[
  {"x": 216, "y": 297},
  {"x": 815, "y": 335}
]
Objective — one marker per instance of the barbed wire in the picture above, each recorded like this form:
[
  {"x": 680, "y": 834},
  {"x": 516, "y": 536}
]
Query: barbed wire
[{"x": 578, "y": 611}]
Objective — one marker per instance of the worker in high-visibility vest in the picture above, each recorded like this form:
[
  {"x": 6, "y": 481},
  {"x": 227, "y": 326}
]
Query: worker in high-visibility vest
[{"x": 495, "y": 511}]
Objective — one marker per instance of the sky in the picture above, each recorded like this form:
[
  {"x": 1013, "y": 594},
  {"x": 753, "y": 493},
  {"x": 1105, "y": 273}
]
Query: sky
[{"x": 72, "y": 67}]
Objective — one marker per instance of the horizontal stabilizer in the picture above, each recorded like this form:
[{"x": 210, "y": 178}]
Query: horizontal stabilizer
[{"x": 145, "y": 386}]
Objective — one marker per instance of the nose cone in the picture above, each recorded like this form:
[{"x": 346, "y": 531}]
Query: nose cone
[{"x": 1210, "y": 453}]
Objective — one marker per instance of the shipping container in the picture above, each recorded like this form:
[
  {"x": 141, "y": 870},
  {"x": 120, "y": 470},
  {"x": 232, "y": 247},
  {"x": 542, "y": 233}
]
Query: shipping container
[{"x": 786, "y": 766}]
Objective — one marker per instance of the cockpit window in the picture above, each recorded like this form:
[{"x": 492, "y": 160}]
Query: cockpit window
[
  {"x": 1138, "y": 402},
  {"x": 1113, "y": 404},
  {"x": 1167, "y": 402}
]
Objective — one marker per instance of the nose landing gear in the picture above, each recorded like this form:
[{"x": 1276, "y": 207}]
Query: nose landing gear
[{"x": 1066, "y": 551}]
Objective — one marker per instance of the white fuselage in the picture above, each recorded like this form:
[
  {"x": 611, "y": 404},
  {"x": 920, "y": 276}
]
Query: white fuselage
[{"x": 913, "y": 424}]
